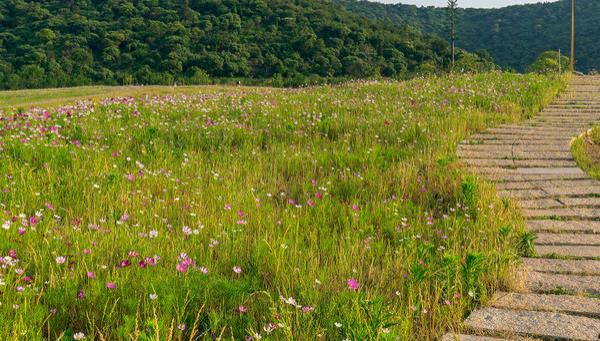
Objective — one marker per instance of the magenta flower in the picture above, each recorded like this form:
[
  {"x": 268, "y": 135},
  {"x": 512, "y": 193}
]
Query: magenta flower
[
  {"x": 111, "y": 285},
  {"x": 91, "y": 275},
  {"x": 352, "y": 284},
  {"x": 310, "y": 203},
  {"x": 184, "y": 263},
  {"x": 355, "y": 207},
  {"x": 34, "y": 220}
]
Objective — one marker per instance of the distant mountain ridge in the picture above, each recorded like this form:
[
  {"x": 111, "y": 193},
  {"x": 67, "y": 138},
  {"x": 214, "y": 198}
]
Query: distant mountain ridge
[{"x": 514, "y": 36}]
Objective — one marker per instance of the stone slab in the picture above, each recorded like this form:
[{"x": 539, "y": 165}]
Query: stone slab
[
  {"x": 556, "y": 170},
  {"x": 524, "y": 194},
  {"x": 578, "y": 251},
  {"x": 589, "y": 202},
  {"x": 567, "y": 239},
  {"x": 563, "y": 226},
  {"x": 501, "y": 178},
  {"x": 540, "y": 203},
  {"x": 547, "y": 183},
  {"x": 510, "y": 154},
  {"x": 463, "y": 337},
  {"x": 535, "y": 323},
  {"x": 540, "y": 302},
  {"x": 518, "y": 163},
  {"x": 572, "y": 190},
  {"x": 567, "y": 213},
  {"x": 563, "y": 266},
  {"x": 547, "y": 283},
  {"x": 558, "y": 147}
]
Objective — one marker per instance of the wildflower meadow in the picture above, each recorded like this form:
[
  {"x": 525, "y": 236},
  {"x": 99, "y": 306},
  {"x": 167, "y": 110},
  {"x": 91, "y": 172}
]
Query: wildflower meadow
[{"x": 324, "y": 213}]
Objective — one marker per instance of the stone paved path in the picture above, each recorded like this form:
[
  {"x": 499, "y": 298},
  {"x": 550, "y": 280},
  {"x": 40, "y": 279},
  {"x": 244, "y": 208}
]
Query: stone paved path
[{"x": 532, "y": 164}]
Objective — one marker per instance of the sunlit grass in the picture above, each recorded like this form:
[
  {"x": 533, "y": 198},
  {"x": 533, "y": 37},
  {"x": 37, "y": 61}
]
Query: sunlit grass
[
  {"x": 322, "y": 213},
  {"x": 586, "y": 151}
]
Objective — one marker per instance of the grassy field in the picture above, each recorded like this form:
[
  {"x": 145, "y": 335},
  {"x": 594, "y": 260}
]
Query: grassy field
[
  {"x": 25, "y": 99},
  {"x": 321, "y": 213}
]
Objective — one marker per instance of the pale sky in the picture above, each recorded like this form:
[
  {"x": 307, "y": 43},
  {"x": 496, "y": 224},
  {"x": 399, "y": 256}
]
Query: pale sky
[{"x": 464, "y": 3}]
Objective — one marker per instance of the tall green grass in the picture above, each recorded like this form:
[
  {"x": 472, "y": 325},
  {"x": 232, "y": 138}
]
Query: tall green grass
[{"x": 335, "y": 212}]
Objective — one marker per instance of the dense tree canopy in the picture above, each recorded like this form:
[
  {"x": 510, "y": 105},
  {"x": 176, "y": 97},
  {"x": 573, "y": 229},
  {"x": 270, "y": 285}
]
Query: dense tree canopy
[
  {"x": 65, "y": 42},
  {"x": 514, "y": 36}
]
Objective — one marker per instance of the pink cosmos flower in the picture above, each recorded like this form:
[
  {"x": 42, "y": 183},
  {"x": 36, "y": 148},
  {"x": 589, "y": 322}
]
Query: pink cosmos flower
[
  {"x": 151, "y": 261},
  {"x": 355, "y": 207},
  {"x": 91, "y": 275},
  {"x": 310, "y": 203},
  {"x": 307, "y": 309},
  {"x": 111, "y": 285},
  {"x": 352, "y": 284},
  {"x": 34, "y": 220},
  {"x": 184, "y": 263},
  {"x": 237, "y": 269}
]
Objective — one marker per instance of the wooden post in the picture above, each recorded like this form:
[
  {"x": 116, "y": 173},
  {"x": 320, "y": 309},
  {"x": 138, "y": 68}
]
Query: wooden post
[{"x": 559, "y": 63}]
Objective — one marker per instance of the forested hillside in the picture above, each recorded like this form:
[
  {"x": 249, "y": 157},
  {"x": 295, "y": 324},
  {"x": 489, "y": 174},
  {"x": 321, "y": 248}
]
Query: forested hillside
[
  {"x": 58, "y": 43},
  {"x": 514, "y": 35}
]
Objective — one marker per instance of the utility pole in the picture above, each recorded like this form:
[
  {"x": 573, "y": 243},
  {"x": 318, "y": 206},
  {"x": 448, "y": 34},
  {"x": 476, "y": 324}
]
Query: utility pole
[
  {"x": 452, "y": 7},
  {"x": 572, "y": 65}
]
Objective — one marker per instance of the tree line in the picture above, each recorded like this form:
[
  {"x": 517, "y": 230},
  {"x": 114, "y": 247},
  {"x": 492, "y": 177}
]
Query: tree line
[{"x": 56, "y": 43}]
